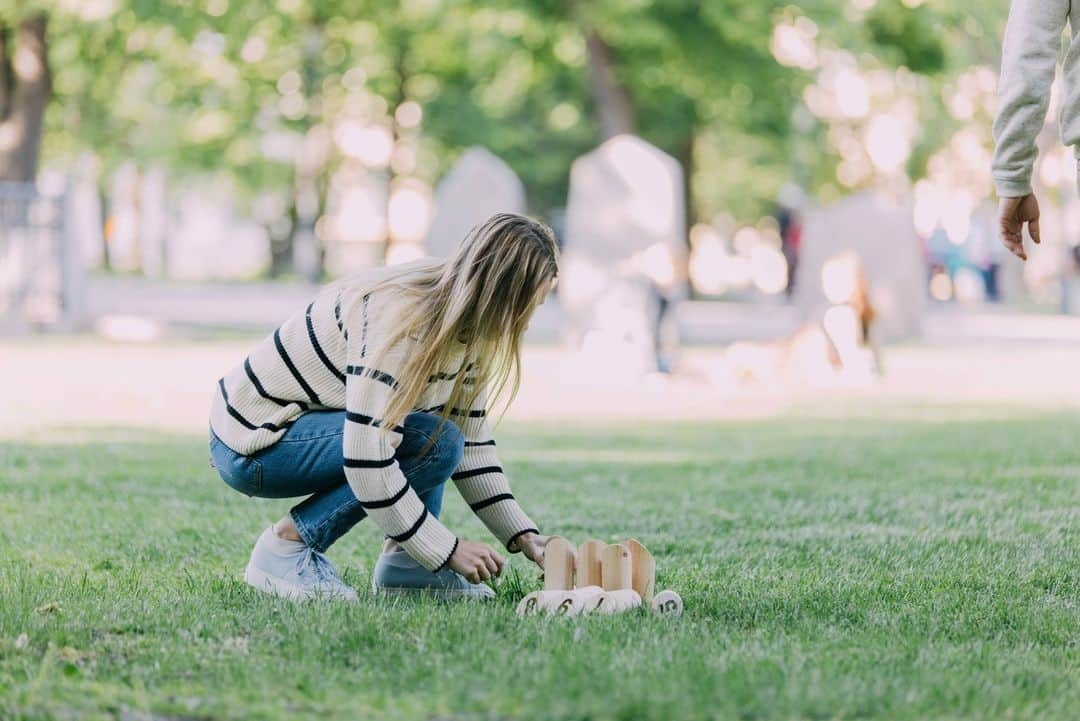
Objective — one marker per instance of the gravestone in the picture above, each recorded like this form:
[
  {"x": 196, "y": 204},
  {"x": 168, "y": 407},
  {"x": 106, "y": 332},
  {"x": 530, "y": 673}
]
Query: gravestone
[
  {"x": 625, "y": 220},
  {"x": 880, "y": 231},
  {"x": 31, "y": 255},
  {"x": 479, "y": 185},
  {"x": 122, "y": 225},
  {"x": 87, "y": 222},
  {"x": 209, "y": 240},
  {"x": 153, "y": 221},
  {"x": 358, "y": 207}
]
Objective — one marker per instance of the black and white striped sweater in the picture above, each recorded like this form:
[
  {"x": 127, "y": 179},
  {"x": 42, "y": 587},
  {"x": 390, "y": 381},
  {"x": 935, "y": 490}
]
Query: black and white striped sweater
[{"x": 320, "y": 359}]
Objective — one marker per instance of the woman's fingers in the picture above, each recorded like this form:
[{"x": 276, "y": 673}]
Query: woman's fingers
[{"x": 476, "y": 562}]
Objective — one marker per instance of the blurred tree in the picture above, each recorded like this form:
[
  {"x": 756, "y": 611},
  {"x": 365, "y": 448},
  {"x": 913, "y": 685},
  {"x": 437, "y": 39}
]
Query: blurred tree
[
  {"x": 931, "y": 49},
  {"x": 904, "y": 33},
  {"x": 25, "y": 87},
  {"x": 683, "y": 73},
  {"x": 256, "y": 90}
]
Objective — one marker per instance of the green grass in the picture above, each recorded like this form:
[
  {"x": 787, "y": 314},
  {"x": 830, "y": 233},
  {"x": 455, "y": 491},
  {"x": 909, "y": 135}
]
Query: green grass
[{"x": 912, "y": 565}]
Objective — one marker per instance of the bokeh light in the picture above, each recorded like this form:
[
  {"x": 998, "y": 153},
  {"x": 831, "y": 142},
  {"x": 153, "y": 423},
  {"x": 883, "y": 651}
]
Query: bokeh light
[
  {"x": 769, "y": 269},
  {"x": 409, "y": 211},
  {"x": 373, "y": 145}
]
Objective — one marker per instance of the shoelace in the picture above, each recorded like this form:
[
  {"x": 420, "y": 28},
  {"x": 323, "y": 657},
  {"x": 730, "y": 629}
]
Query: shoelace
[{"x": 320, "y": 564}]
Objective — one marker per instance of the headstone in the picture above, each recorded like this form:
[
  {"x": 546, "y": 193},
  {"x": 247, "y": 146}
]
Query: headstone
[
  {"x": 357, "y": 222},
  {"x": 122, "y": 226},
  {"x": 85, "y": 211},
  {"x": 625, "y": 196},
  {"x": 210, "y": 241},
  {"x": 73, "y": 290},
  {"x": 31, "y": 253},
  {"x": 153, "y": 219},
  {"x": 479, "y": 185},
  {"x": 880, "y": 231},
  {"x": 625, "y": 219}
]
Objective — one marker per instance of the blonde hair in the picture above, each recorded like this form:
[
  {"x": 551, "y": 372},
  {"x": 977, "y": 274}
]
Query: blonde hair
[{"x": 479, "y": 299}]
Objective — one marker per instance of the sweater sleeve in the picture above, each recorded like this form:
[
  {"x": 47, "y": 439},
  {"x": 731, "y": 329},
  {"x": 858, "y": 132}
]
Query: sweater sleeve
[
  {"x": 370, "y": 467},
  {"x": 1029, "y": 56},
  {"x": 480, "y": 479}
]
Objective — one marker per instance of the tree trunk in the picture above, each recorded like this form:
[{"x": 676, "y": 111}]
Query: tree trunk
[
  {"x": 686, "y": 160},
  {"x": 281, "y": 245},
  {"x": 614, "y": 109},
  {"x": 301, "y": 242},
  {"x": 26, "y": 87},
  {"x": 103, "y": 198},
  {"x": 6, "y": 79}
]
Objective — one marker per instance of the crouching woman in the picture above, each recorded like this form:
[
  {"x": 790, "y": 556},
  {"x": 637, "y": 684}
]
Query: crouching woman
[{"x": 370, "y": 399}]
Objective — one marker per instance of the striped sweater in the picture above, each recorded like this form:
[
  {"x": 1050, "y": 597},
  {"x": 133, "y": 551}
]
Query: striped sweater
[{"x": 321, "y": 359}]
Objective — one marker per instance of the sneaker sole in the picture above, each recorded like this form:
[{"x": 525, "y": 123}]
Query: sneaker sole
[{"x": 262, "y": 581}]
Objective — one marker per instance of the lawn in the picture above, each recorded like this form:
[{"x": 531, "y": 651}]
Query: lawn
[{"x": 908, "y": 563}]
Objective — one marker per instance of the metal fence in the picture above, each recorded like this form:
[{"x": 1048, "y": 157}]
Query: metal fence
[{"x": 40, "y": 269}]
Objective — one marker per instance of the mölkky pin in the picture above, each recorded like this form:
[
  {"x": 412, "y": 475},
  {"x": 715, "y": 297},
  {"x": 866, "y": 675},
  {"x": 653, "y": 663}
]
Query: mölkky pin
[{"x": 598, "y": 578}]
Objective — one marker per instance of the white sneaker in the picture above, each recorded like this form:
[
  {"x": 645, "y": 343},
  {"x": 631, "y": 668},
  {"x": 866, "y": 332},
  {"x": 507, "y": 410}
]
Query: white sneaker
[
  {"x": 397, "y": 574},
  {"x": 293, "y": 570}
]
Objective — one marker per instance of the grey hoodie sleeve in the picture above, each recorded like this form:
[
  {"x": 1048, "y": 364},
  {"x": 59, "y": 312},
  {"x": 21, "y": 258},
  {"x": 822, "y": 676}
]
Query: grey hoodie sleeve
[{"x": 1028, "y": 59}]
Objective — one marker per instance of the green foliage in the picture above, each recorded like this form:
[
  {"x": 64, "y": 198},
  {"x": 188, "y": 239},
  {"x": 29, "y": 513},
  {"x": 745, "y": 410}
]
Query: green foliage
[
  {"x": 908, "y": 35},
  {"x": 193, "y": 85}
]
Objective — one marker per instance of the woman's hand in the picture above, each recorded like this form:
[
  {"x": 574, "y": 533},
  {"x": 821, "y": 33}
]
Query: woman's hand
[
  {"x": 477, "y": 562},
  {"x": 532, "y": 546}
]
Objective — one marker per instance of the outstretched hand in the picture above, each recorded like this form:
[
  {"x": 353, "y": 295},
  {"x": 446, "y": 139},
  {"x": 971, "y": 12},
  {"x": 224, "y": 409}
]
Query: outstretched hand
[
  {"x": 1012, "y": 214},
  {"x": 532, "y": 547}
]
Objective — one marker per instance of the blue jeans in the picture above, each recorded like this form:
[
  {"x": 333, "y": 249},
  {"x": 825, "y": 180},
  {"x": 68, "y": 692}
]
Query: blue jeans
[{"x": 308, "y": 461}]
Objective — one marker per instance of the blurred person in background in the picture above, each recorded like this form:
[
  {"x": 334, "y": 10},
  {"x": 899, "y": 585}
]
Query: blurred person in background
[
  {"x": 985, "y": 252},
  {"x": 943, "y": 257},
  {"x": 791, "y": 230},
  {"x": 656, "y": 268},
  {"x": 1029, "y": 58},
  {"x": 838, "y": 348},
  {"x": 369, "y": 400}
]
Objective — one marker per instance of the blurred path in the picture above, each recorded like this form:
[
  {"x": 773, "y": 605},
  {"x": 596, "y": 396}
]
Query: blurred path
[
  {"x": 989, "y": 358},
  {"x": 261, "y": 306},
  {"x": 243, "y": 306},
  {"x": 76, "y": 382}
]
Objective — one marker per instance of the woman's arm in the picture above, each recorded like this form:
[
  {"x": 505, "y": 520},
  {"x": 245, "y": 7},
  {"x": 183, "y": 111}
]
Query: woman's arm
[
  {"x": 1029, "y": 56},
  {"x": 370, "y": 467},
  {"x": 480, "y": 479}
]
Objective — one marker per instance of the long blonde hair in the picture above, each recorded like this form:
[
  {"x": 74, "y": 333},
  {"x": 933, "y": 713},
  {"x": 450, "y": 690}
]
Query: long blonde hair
[{"x": 479, "y": 300}]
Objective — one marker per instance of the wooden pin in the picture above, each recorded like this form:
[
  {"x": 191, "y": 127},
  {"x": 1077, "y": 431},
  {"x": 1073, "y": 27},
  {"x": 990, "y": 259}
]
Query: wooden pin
[
  {"x": 613, "y": 602},
  {"x": 668, "y": 603},
  {"x": 558, "y": 565},
  {"x": 588, "y": 563},
  {"x": 644, "y": 570},
  {"x": 616, "y": 568}
]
